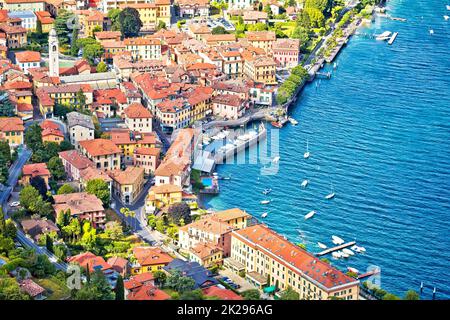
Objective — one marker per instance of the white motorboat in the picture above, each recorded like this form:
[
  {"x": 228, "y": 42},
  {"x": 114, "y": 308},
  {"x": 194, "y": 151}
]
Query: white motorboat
[
  {"x": 448, "y": 7},
  {"x": 348, "y": 251},
  {"x": 353, "y": 270},
  {"x": 331, "y": 194},
  {"x": 358, "y": 249},
  {"x": 345, "y": 255},
  {"x": 392, "y": 38},
  {"x": 265, "y": 202},
  {"x": 446, "y": 18},
  {"x": 304, "y": 183},
  {"x": 267, "y": 191},
  {"x": 293, "y": 121},
  {"x": 431, "y": 31},
  {"x": 336, "y": 254},
  {"x": 336, "y": 240},
  {"x": 383, "y": 36},
  {"x": 306, "y": 154},
  {"x": 276, "y": 159},
  {"x": 321, "y": 245},
  {"x": 264, "y": 215},
  {"x": 310, "y": 214}
]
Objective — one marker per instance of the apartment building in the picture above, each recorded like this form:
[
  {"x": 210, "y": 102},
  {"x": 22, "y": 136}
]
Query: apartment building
[
  {"x": 143, "y": 48},
  {"x": 103, "y": 153}
]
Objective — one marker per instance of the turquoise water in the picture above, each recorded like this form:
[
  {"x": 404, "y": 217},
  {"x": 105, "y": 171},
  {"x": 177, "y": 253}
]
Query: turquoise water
[{"x": 379, "y": 131}]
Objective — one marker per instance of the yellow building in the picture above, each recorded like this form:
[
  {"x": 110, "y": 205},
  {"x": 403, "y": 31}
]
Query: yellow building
[
  {"x": 262, "y": 39},
  {"x": 46, "y": 20},
  {"x": 128, "y": 184},
  {"x": 138, "y": 118},
  {"x": 235, "y": 217},
  {"x": 11, "y": 130},
  {"x": 149, "y": 259},
  {"x": 128, "y": 141},
  {"x": 63, "y": 94},
  {"x": 200, "y": 101},
  {"x": 206, "y": 254},
  {"x": 162, "y": 195},
  {"x": 173, "y": 114},
  {"x": 269, "y": 259},
  {"x": 93, "y": 22},
  {"x": 149, "y": 13},
  {"x": 261, "y": 69},
  {"x": 143, "y": 48}
]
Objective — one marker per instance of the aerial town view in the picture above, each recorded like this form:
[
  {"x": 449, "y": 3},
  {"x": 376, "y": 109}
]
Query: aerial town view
[{"x": 257, "y": 150}]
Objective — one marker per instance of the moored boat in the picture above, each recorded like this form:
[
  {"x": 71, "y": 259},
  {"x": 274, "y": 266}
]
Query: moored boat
[
  {"x": 265, "y": 202},
  {"x": 276, "y": 124},
  {"x": 348, "y": 251},
  {"x": 353, "y": 270},
  {"x": 304, "y": 183},
  {"x": 310, "y": 214},
  {"x": 264, "y": 215},
  {"x": 321, "y": 245},
  {"x": 383, "y": 36},
  {"x": 293, "y": 121},
  {"x": 336, "y": 240}
]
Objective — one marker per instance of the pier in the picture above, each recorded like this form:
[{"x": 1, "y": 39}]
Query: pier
[
  {"x": 339, "y": 247},
  {"x": 368, "y": 274}
]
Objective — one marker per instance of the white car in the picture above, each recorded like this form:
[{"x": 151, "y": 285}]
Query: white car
[{"x": 14, "y": 204}]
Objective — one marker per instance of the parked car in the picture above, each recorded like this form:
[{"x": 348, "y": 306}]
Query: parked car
[{"x": 14, "y": 204}]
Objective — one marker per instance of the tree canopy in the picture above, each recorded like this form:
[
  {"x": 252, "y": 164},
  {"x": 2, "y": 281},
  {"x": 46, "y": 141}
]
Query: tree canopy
[
  {"x": 100, "y": 189},
  {"x": 130, "y": 22}
]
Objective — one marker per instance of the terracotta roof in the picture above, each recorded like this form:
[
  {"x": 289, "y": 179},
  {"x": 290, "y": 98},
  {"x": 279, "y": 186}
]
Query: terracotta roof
[
  {"x": 76, "y": 159},
  {"x": 44, "y": 17},
  {"x": 148, "y": 292},
  {"x": 260, "y": 35},
  {"x": 35, "y": 170},
  {"x": 77, "y": 203},
  {"x": 102, "y": 35},
  {"x": 147, "y": 151},
  {"x": 287, "y": 44},
  {"x": 117, "y": 263},
  {"x": 52, "y": 132},
  {"x": 28, "y": 56},
  {"x": 48, "y": 124},
  {"x": 100, "y": 147},
  {"x": 18, "y": 85},
  {"x": 120, "y": 137},
  {"x": 254, "y": 15},
  {"x": 228, "y": 99},
  {"x": 222, "y": 294},
  {"x": 231, "y": 214},
  {"x": 149, "y": 256},
  {"x": 137, "y": 110},
  {"x": 89, "y": 259},
  {"x": 90, "y": 173},
  {"x": 141, "y": 41},
  {"x": 204, "y": 250},
  {"x": 209, "y": 225},
  {"x": 24, "y": 107},
  {"x": 201, "y": 66},
  {"x": 37, "y": 227},
  {"x": 292, "y": 256},
  {"x": 172, "y": 166},
  {"x": 165, "y": 188},
  {"x": 129, "y": 176},
  {"x": 8, "y": 124},
  {"x": 31, "y": 287},
  {"x": 138, "y": 280}
]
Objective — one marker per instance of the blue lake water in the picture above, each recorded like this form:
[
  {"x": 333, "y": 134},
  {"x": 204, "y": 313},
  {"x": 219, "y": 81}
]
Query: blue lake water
[{"x": 379, "y": 131}]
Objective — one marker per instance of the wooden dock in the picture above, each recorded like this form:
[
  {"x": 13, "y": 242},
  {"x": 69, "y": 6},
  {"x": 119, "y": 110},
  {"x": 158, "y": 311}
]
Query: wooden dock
[
  {"x": 368, "y": 274},
  {"x": 339, "y": 247}
]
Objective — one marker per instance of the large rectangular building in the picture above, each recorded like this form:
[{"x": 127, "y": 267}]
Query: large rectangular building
[{"x": 270, "y": 259}]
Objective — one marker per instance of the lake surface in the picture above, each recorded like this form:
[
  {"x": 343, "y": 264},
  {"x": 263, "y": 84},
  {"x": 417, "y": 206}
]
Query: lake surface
[{"x": 379, "y": 132}]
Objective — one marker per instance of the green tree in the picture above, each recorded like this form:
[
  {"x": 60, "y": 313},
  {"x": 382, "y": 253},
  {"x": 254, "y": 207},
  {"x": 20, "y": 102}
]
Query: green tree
[
  {"x": 10, "y": 290},
  {"x": 114, "y": 230},
  {"x": 316, "y": 17},
  {"x": 113, "y": 15},
  {"x": 192, "y": 295},
  {"x": 74, "y": 47},
  {"x": 39, "y": 184},
  {"x": 38, "y": 26},
  {"x": 96, "y": 29},
  {"x": 100, "y": 189},
  {"x": 160, "y": 278},
  {"x": 411, "y": 295},
  {"x": 72, "y": 231},
  {"x": 7, "y": 109},
  {"x": 130, "y": 22},
  {"x": 161, "y": 25},
  {"x": 102, "y": 67},
  {"x": 289, "y": 294},
  {"x": 97, "y": 288},
  {"x": 66, "y": 189},
  {"x": 56, "y": 168},
  {"x": 60, "y": 251},
  {"x": 251, "y": 294},
  {"x": 63, "y": 218},
  {"x": 179, "y": 211},
  {"x": 390, "y": 296},
  {"x": 33, "y": 137},
  {"x": 28, "y": 196},
  {"x": 219, "y": 30},
  {"x": 120, "y": 290},
  {"x": 89, "y": 237},
  {"x": 48, "y": 243},
  {"x": 62, "y": 28},
  {"x": 180, "y": 283}
]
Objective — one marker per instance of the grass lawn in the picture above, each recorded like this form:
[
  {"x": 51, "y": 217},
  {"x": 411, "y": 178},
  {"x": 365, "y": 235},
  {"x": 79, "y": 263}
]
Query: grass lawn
[
  {"x": 55, "y": 290},
  {"x": 288, "y": 27}
]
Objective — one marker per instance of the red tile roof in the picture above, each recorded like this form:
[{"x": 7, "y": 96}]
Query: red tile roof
[
  {"x": 8, "y": 124},
  {"x": 31, "y": 287},
  {"x": 137, "y": 111},
  {"x": 148, "y": 292},
  {"x": 148, "y": 256},
  {"x": 76, "y": 159},
  {"x": 147, "y": 151},
  {"x": 28, "y": 56},
  {"x": 89, "y": 259},
  {"x": 48, "y": 124},
  {"x": 36, "y": 169},
  {"x": 292, "y": 256},
  {"x": 100, "y": 147}
]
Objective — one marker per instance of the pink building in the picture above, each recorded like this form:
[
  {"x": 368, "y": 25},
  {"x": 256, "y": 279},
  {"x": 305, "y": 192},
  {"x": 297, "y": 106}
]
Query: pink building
[{"x": 286, "y": 52}]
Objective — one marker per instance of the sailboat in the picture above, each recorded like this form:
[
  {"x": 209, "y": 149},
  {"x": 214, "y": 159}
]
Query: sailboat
[
  {"x": 304, "y": 183},
  {"x": 310, "y": 214},
  {"x": 321, "y": 245},
  {"x": 306, "y": 154},
  {"x": 331, "y": 194}
]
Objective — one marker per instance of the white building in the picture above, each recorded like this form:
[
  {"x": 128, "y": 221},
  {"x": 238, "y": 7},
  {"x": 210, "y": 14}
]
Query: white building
[
  {"x": 240, "y": 4},
  {"x": 28, "y": 18}
]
